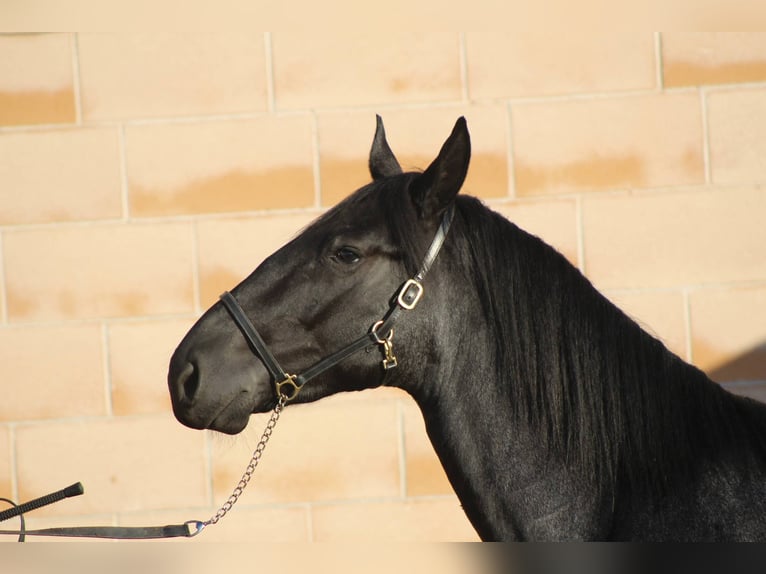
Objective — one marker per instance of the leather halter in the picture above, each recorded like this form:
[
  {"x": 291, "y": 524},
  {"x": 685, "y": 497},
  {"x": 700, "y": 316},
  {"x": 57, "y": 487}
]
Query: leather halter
[{"x": 381, "y": 333}]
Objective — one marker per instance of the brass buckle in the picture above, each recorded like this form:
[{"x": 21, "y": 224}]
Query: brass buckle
[
  {"x": 289, "y": 381},
  {"x": 410, "y": 305},
  {"x": 390, "y": 361}
]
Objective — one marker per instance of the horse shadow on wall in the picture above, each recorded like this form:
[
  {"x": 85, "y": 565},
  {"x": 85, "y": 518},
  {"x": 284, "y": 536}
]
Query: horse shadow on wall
[{"x": 745, "y": 374}]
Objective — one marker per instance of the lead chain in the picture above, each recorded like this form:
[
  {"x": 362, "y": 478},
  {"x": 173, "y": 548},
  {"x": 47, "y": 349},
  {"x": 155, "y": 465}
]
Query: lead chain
[{"x": 257, "y": 454}]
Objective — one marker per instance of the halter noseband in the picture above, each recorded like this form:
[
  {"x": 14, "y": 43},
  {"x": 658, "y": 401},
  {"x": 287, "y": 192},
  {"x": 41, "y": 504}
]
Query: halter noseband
[{"x": 381, "y": 333}]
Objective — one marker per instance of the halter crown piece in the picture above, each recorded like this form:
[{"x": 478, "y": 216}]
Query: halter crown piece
[{"x": 381, "y": 333}]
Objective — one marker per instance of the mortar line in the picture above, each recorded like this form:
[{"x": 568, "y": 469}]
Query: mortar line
[
  {"x": 208, "y": 458},
  {"x": 351, "y": 502},
  {"x": 661, "y": 190},
  {"x": 511, "y": 191},
  {"x": 463, "y": 55},
  {"x": 159, "y": 219},
  {"x": 90, "y": 321},
  {"x": 705, "y": 137},
  {"x": 402, "y": 450},
  {"x": 688, "y": 325},
  {"x": 14, "y": 462},
  {"x": 124, "y": 185},
  {"x": 316, "y": 168},
  {"x": 196, "y": 288},
  {"x": 658, "y": 62},
  {"x": 106, "y": 366},
  {"x": 86, "y": 419},
  {"x": 580, "y": 230},
  {"x": 270, "y": 86},
  {"x": 595, "y": 96},
  {"x": 75, "y": 42},
  {"x": 310, "y": 521}
]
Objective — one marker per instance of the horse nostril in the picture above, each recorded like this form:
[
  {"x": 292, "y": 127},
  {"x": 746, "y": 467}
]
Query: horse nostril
[
  {"x": 191, "y": 384},
  {"x": 187, "y": 382}
]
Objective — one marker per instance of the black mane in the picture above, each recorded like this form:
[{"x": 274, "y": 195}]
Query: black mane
[{"x": 605, "y": 396}]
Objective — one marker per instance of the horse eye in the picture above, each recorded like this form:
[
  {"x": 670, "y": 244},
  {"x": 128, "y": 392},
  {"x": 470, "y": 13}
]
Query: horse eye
[{"x": 347, "y": 255}]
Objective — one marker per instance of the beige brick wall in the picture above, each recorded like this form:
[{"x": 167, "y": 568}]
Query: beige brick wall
[{"x": 140, "y": 175}]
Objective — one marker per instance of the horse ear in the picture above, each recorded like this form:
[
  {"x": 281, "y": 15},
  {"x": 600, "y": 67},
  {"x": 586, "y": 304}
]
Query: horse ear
[
  {"x": 382, "y": 161},
  {"x": 435, "y": 189}
]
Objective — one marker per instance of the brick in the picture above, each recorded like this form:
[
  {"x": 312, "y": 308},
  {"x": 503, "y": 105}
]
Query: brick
[
  {"x": 69, "y": 381},
  {"x": 602, "y": 144},
  {"x": 36, "y": 85},
  {"x": 660, "y": 313},
  {"x": 540, "y": 63},
  {"x": 699, "y": 58},
  {"x": 425, "y": 475},
  {"x": 318, "y": 452},
  {"x": 729, "y": 331},
  {"x": 432, "y": 520},
  {"x": 555, "y": 222},
  {"x": 139, "y": 354},
  {"x": 327, "y": 70},
  {"x": 125, "y": 465},
  {"x": 151, "y": 75},
  {"x": 98, "y": 271},
  {"x": 675, "y": 239},
  {"x": 44, "y": 177},
  {"x": 344, "y": 148},
  {"x": 214, "y": 167},
  {"x": 415, "y": 137},
  {"x": 282, "y": 524},
  {"x": 230, "y": 249},
  {"x": 737, "y": 128}
]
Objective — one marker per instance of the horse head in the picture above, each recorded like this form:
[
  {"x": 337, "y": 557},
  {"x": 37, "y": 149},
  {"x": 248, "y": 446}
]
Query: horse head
[{"x": 327, "y": 287}]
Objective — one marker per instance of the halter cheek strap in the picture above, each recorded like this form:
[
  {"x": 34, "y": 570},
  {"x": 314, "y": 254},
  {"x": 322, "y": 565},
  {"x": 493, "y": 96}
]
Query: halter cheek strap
[{"x": 381, "y": 333}]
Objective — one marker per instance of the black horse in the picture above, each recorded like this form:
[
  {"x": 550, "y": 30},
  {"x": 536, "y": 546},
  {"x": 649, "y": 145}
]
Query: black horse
[{"x": 554, "y": 415}]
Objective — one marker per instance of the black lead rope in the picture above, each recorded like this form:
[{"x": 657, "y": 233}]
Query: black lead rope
[
  {"x": 5, "y": 515},
  {"x": 287, "y": 387},
  {"x": 187, "y": 529}
]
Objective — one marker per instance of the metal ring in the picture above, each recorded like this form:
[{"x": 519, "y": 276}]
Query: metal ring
[
  {"x": 290, "y": 380},
  {"x": 374, "y": 333},
  {"x": 194, "y": 527}
]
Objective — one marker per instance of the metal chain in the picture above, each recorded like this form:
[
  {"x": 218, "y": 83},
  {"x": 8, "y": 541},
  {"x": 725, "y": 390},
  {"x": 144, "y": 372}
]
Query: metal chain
[{"x": 257, "y": 453}]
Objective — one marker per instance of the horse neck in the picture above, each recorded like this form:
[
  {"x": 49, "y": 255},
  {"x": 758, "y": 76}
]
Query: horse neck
[
  {"x": 545, "y": 371},
  {"x": 508, "y": 485}
]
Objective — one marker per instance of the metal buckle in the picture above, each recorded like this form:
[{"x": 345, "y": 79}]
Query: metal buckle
[
  {"x": 378, "y": 339},
  {"x": 414, "y": 299},
  {"x": 290, "y": 380},
  {"x": 390, "y": 361}
]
